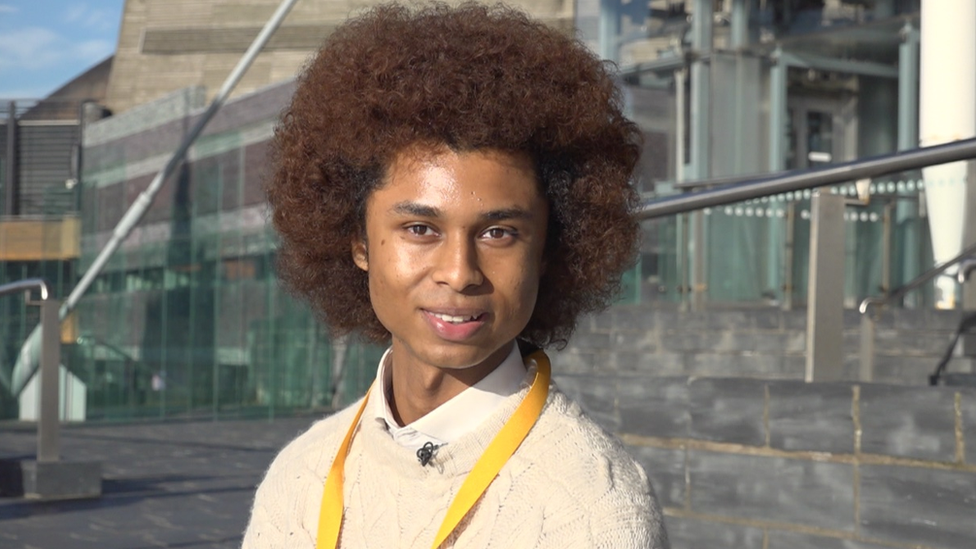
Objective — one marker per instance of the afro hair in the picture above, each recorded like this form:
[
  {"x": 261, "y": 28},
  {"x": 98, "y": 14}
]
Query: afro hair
[{"x": 467, "y": 77}]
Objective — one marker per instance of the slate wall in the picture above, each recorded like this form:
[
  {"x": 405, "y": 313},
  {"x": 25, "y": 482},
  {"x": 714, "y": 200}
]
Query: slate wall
[
  {"x": 780, "y": 464},
  {"x": 768, "y": 343}
]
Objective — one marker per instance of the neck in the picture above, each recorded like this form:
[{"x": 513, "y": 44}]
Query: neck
[{"x": 418, "y": 389}]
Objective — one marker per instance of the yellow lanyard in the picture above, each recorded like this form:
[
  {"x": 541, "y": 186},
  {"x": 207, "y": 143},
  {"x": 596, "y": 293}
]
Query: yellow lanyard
[{"x": 484, "y": 471}]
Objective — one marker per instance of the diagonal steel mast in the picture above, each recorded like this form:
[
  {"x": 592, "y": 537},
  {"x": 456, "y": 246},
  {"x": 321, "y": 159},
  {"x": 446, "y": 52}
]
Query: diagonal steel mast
[{"x": 27, "y": 359}]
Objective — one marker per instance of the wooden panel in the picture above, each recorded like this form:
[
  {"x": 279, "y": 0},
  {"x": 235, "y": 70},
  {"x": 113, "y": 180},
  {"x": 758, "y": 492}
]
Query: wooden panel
[{"x": 32, "y": 240}]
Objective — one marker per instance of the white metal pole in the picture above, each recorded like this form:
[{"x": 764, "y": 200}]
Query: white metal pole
[
  {"x": 26, "y": 364},
  {"x": 947, "y": 112}
]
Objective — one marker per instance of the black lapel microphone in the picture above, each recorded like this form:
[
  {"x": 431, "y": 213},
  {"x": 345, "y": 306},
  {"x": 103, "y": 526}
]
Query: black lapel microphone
[{"x": 426, "y": 453}]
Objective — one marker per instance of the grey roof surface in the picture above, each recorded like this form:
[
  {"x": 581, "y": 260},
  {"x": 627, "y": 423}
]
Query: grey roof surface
[{"x": 186, "y": 484}]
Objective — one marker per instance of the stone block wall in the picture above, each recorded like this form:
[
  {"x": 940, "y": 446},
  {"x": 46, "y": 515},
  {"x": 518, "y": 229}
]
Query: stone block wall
[
  {"x": 780, "y": 464},
  {"x": 768, "y": 343}
]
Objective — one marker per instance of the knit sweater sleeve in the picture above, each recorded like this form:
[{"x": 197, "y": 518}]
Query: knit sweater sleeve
[
  {"x": 630, "y": 519},
  {"x": 598, "y": 495},
  {"x": 287, "y": 501}
]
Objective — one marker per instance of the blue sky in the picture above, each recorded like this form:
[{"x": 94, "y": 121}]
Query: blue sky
[{"x": 46, "y": 43}]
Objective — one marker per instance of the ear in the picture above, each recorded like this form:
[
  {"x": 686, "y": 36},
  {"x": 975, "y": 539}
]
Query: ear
[{"x": 360, "y": 253}]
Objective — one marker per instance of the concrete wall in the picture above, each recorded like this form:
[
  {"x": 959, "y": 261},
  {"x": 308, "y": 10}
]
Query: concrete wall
[
  {"x": 780, "y": 464},
  {"x": 168, "y": 45}
]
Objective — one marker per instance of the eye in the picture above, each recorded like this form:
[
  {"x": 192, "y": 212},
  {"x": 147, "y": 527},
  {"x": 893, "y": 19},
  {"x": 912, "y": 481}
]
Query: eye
[
  {"x": 419, "y": 230},
  {"x": 496, "y": 233}
]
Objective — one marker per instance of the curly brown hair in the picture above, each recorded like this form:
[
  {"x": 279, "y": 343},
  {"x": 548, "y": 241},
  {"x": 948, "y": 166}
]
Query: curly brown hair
[{"x": 468, "y": 77}]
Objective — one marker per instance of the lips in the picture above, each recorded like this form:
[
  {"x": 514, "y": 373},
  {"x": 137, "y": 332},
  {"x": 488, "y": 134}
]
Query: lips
[{"x": 455, "y": 325}]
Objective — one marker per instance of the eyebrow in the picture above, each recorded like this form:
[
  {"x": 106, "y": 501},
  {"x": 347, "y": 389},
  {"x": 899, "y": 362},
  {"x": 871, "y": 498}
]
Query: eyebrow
[{"x": 423, "y": 210}]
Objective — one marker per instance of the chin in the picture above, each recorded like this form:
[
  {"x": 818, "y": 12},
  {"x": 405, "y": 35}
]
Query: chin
[
  {"x": 454, "y": 356},
  {"x": 458, "y": 359}
]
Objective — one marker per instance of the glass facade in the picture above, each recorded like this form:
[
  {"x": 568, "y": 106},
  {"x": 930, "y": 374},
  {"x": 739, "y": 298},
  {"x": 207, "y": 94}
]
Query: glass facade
[
  {"x": 756, "y": 87},
  {"x": 38, "y": 216},
  {"x": 187, "y": 318}
]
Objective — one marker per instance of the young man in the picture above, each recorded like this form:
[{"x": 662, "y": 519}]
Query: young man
[{"x": 455, "y": 182}]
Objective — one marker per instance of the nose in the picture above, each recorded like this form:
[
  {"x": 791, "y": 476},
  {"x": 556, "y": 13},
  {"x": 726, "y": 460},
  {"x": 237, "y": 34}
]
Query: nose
[{"x": 457, "y": 264}]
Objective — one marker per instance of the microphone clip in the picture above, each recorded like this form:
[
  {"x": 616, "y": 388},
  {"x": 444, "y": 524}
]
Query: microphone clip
[{"x": 426, "y": 453}]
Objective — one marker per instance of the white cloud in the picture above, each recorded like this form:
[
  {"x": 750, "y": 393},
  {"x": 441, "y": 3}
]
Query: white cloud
[
  {"x": 83, "y": 16},
  {"x": 74, "y": 13},
  {"x": 7, "y": 8},
  {"x": 31, "y": 47}
]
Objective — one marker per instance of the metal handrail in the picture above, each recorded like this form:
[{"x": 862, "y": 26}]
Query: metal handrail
[
  {"x": 967, "y": 323},
  {"x": 917, "y": 282},
  {"x": 873, "y": 303},
  {"x": 773, "y": 184},
  {"x": 48, "y": 445},
  {"x": 966, "y": 266},
  {"x": 799, "y": 180},
  {"x": 26, "y": 285}
]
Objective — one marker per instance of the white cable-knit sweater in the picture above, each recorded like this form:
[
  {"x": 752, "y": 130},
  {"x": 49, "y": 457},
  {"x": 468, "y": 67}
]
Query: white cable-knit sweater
[{"x": 569, "y": 485}]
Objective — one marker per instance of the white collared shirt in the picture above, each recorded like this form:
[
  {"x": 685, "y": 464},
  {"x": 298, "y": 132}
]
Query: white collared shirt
[{"x": 457, "y": 416}]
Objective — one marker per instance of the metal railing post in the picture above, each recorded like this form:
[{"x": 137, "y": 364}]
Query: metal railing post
[
  {"x": 48, "y": 421},
  {"x": 49, "y": 392},
  {"x": 866, "y": 352},
  {"x": 48, "y": 477},
  {"x": 790, "y": 249},
  {"x": 968, "y": 287},
  {"x": 825, "y": 297}
]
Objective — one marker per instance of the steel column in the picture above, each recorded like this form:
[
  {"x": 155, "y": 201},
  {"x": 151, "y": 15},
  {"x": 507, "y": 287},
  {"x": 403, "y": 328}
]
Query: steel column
[
  {"x": 681, "y": 169},
  {"x": 908, "y": 88},
  {"x": 680, "y": 128},
  {"x": 777, "y": 112},
  {"x": 907, "y": 211},
  {"x": 609, "y": 29},
  {"x": 740, "y": 23},
  {"x": 701, "y": 33}
]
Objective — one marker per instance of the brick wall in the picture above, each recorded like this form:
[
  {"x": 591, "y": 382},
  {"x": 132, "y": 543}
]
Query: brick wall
[{"x": 780, "y": 464}]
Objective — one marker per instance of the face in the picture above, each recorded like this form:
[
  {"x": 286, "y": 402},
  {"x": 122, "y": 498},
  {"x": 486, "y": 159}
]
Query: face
[{"x": 453, "y": 249}]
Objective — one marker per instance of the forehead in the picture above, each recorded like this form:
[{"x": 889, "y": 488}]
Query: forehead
[{"x": 460, "y": 179}]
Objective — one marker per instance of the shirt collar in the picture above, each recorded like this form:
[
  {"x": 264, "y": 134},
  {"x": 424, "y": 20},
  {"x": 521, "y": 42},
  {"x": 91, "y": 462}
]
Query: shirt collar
[{"x": 459, "y": 415}]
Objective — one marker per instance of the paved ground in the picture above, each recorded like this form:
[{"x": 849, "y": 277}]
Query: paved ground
[{"x": 175, "y": 484}]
